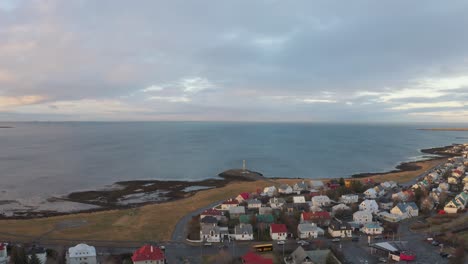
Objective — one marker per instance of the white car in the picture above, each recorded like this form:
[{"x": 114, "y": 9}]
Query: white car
[
  {"x": 302, "y": 243},
  {"x": 280, "y": 242}
]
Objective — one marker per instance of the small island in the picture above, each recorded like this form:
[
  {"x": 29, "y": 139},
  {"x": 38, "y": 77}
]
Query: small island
[{"x": 446, "y": 129}]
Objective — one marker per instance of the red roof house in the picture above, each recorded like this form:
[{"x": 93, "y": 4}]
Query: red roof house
[
  {"x": 212, "y": 212},
  {"x": 252, "y": 258},
  {"x": 242, "y": 197},
  {"x": 148, "y": 253},
  {"x": 319, "y": 218},
  {"x": 278, "y": 228}
]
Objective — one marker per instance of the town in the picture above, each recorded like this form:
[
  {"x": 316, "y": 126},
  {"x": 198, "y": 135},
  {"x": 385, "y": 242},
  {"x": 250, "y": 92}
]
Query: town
[{"x": 353, "y": 220}]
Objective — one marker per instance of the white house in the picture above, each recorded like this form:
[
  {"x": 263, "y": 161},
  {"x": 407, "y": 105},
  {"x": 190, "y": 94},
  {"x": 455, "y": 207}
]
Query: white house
[
  {"x": 452, "y": 180},
  {"x": 80, "y": 254},
  {"x": 300, "y": 187},
  {"x": 349, "y": 198},
  {"x": 314, "y": 208},
  {"x": 265, "y": 210},
  {"x": 369, "y": 205},
  {"x": 389, "y": 217},
  {"x": 459, "y": 202},
  {"x": 370, "y": 193},
  {"x": 372, "y": 228},
  {"x": 285, "y": 189},
  {"x": 3, "y": 253},
  {"x": 270, "y": 191},
  {"x": 235, "y": 212},
  {"x": 277, "y": 203},
  {"x": 243, "y": 232},
  {"x": 321, "y": 200},
  {"x": 309, "y": 230},
  {"x": 405, "y": 210},
  {"x": 362, "y": 217},
  {"x": 228, "y": 204},
  {"x": 299, "y": 199},
  {"x": 210, "y": 233},
  {"x": 340, "y": 229},
  {"x": 254, "y": 204},
  {"x": 278, "y": 232},
  {"x": 314, "y": 184}
]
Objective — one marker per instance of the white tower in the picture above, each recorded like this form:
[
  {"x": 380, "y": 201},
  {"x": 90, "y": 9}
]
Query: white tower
[{"x": 243, "y": 166}]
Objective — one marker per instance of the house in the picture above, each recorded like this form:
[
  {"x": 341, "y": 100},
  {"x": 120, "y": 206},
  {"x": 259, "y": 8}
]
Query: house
[
  {"x": 40, "y": 253},
  {"x": 300, "y": 187},
  {"x": 373, "y": 228},
  {"x": 278, "y": 232},
  {"x": 209, "y": 220},
  {"x": 252, "y": 258},
  {"x": 3, "y": 254},
  {"x": 370, "y": 193},
  {"x": 369, "y": 205},
  {"x": 226, "y": 205},
  {"x": 210, "y": 233},
  {"x": 266, "y": 219},
  {"x": 321, "y": 200},
  {"x": 277, "y": 203},
  {"x": 444, "y": 186},
  {"x": 314, "y": 208},
  {"x": 254, "y": 204},
  {"x": 362, "y": 217},
  {"x": 235, "y": 212},
  {"x": 318, "y": 185},
  {"x": 242, "y": 197},
  {"x": 148, "y": 254},
  {"x": 81, "y": 253},
  {"x": 339, "y": 228},
  {"x": 308, "y": 230},
  {"x": 265, "y": 210},
  {"x": 340, "y": 207},
  {"x": 379, "y": 190},
  {"x": 349, "y": 198},
  {"x": 212, "y": 212},
  {"x": 318, "y": 218},
  {"x": 405, "y": 210},
  {"x": 459, "y": 202},
  {"x": 269, "y": 191},
  {"x": 452, "y": 180},
  {"x": 301, "y": 256},
  {"x": 299, "y": 199},
  {"x": 285, "y": 189},
  {"x": 385, "y": 203},
  {"x": 389, "y": 217},
  {"x": 243, "y": 232}
]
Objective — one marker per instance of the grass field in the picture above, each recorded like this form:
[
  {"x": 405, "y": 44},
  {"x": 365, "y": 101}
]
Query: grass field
[
  {"x": 406, "y": 176},
  {"x": 151, "y": 222}
]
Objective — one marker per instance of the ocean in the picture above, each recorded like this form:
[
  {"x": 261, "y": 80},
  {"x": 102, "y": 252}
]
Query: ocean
[{"x": 39, "y": 160}]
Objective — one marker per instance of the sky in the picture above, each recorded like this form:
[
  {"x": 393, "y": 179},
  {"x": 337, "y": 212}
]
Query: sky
[{"x": 298, "y": 61}]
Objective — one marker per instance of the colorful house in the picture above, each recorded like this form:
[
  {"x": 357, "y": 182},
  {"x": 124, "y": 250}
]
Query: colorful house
[{"x": 148, "y": 254}]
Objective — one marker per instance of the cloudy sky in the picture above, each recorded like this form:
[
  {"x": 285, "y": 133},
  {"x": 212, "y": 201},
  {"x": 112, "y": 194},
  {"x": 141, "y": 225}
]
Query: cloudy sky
[{"x": 354, "y": 61}]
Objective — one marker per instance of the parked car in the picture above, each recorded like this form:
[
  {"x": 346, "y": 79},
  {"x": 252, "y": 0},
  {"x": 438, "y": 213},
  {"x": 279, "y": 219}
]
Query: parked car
[
  {"x": 429, "y": 239},
  {"x": 208, "y": 244},
  {"x": 280, "y": 242},
  {"x": 336, "y": 240},
  {"x": 355, "y": 239},
  {"x": 378, "y": 237},
  {"x": 435, "y": 243},
  {"x": 383, "y": 260},
  {"x": 443, "y": 254},
  {"x": 302, "y": 243}
]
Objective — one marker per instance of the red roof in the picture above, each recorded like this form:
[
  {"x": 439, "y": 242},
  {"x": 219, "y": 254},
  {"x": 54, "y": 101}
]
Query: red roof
[
  {"x": 2, "y": 246},
  {"x": 244, "y": 195},
  {"x": 148, "y": 252},
  {"x": 231, "y": 202},
  {"x": 252, "y": 258},
  {"x": 315, "y": 215},
  {"x": 211, "y": 212},
  {"x": 278, "y": 228}
]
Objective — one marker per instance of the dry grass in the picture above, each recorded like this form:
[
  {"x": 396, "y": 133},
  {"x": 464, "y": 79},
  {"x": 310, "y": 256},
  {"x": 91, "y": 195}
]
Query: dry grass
[{"x": 151, "y": 222}]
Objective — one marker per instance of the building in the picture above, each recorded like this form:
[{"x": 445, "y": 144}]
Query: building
[
  {"x": 243, "y": 232},
  {"x": 340, "y": 207},
  {"x": 369, "y": 205},
  {"x": 254, "y": 204},
  {"x": 148, "y": 254},
  {"x": 319, "y": 218},
  {"x": 362, "y": 217},
  {"x": 265, "y": 210},
  {"x": 210, "y": 233},
  {"x": 277, "y": 203},
  {"x": 321, "y": 200},
  {"x": 229, "y": 204},
  {"x": 385, "y": 203},
  {"x": 373, "y": 228},
  {"x": 278, "y": 232},
  {"x": 339, "y": 228},
  {"x": 299, "y": 199},
  {"x": 81, "y": 254},
  {"x": 243, "y": 197},
  {"x": 349, "y": 198},
  {"x": 370, "y": 193},
  {"x": 212, "y": 212},
  {"x": 300, "y": 187},
  {"x": 459, "y": 202},
  {"x": 269, "y": 191},
  {"x": 315, "y": 184},
  {"x": 405, "y": 210},
  {"x": 307, "y": 230},
  {"x": 209, "y": 220},
  {"x": 3, "y": 254},
  {"x": 389, "y": 217},
  {"x": 285, "y": 189},
  {"x": 301, "y": 256},
  {"x": 235, "y": 212}
]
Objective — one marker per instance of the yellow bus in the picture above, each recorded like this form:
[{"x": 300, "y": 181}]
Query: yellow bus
[{"x": 263, "y": 247}]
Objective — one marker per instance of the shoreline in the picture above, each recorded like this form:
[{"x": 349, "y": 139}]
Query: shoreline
[{"x": 138, "y": 193}]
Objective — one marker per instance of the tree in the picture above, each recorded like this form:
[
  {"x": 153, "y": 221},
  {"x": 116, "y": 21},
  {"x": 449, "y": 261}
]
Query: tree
[
  {"x": 341, "y": 182},
  {"x": 34, "y": 259},
  {"x": 18, "y": 255}
]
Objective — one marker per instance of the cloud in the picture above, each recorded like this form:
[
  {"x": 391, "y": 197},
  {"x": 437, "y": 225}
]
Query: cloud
[
  {"x": 171, "y": 99},
  {"x": 7, "y": 102},
  {"x": 152, "y": 88},
  {"x": 448, "y": 104},
  {"x": 195, "y": 85}
]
